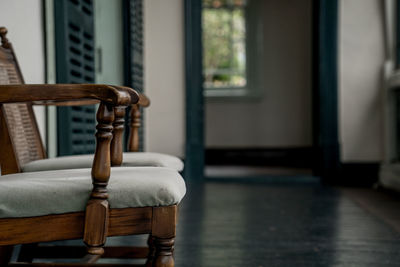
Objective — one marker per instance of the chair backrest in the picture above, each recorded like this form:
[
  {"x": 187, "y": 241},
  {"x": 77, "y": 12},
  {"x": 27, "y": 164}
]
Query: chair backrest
[{"x": 19, "y": 136}]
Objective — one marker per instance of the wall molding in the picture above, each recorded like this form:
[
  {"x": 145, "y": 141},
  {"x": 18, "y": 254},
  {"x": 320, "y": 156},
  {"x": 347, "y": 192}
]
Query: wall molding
[
  {"x": 300, "y": 157},
  {"x": 357, "y": 174},
  {"x": 347, "y": 174}
]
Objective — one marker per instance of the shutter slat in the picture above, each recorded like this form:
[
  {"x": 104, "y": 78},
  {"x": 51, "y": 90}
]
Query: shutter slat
[{"x": 75, "y": 64}]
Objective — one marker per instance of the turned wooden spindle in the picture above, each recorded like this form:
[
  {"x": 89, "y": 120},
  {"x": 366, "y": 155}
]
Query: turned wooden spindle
[
  {"x": 164, "y": 252},
  {"x": 163, "y": 235},
  {"x": 96, "y": 217},
  {"x": 4, "y": 41},
  {"x": 133, "y": 144},
  {"x": 118, "y": 131}
]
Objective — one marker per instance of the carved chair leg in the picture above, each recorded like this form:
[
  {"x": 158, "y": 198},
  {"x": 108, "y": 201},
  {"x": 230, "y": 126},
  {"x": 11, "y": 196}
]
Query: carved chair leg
[
  {"x": 163, "y": 234},
  {"x": 164, "y": 252},
  {"x": 5, "y": 254},
  {"x": 152, "y": 251}
]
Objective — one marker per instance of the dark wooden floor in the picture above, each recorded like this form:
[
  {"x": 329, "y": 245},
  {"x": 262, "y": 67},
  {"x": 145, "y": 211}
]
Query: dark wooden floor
[{"x": 282, "y": 221}]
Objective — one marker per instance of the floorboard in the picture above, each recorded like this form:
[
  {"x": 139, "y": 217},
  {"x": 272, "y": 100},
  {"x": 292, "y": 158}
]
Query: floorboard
[{"x": 274, "y": 222}]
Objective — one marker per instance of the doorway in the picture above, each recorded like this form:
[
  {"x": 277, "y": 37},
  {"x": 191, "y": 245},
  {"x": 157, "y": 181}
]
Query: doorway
[{"x": 324, "y": 145}]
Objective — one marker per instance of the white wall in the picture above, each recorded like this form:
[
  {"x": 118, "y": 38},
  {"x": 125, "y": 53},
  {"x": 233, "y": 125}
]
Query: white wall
[
  {"x": 164, "y": 76},
  {"x": 281, "y": 116},
  {"x": 23, "y": 19},
  {"x": 361, "y": 49}
]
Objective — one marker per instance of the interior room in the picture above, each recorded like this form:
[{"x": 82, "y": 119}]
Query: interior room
[
  {"x": 268, "y": 113},
  {"x": 199, "y": 133}
]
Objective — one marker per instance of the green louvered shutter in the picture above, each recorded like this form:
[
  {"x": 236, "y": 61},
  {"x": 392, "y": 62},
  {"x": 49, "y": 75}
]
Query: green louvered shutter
[
  {"x": 134, "y": 71},
  {"x": 74, "y": 31}
]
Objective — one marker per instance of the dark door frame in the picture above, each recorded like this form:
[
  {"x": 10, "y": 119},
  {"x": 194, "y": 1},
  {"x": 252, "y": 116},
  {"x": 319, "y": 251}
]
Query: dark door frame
[
  {"x": 325, "y": 90},
  {"x": 132, "y": 15},
  {"x": 194, "y": 159}
]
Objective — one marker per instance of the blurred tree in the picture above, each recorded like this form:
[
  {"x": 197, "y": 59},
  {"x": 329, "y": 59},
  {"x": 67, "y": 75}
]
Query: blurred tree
[{"x": 224, "y": 57}]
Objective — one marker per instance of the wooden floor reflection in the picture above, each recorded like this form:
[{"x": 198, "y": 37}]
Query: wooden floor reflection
[{"x": 280, "y": 221}]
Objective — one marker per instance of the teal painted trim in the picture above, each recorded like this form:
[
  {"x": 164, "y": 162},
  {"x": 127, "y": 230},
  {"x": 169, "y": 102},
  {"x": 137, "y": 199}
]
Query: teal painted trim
[
  {"x": 397, "y": 34},
  {"x": 325, "y": 88},
  {"x": 194, "y": 161},
  {"x": 64, "y": 129},
  {"x": 60, "y": 17},
  {"x": 126, "y": 16},
  {"x": 132, "y": 11},
  {"x": 74, "y": 31}
]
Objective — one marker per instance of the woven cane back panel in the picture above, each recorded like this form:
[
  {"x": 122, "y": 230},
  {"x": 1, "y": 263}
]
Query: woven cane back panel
[{"x": 19, "y": 117}]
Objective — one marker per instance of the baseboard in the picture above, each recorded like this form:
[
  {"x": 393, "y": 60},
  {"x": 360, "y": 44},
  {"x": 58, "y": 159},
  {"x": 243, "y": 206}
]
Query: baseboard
[
  {"x": 349, "y": 174},
  {"x": 298, "y": 157},
  {"x": 356, "y": 174},
  {"x": 389, "y": 176}
]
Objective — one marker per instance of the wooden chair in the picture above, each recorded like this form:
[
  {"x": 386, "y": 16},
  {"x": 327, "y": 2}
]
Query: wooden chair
[{"x": 91, "y": 204}]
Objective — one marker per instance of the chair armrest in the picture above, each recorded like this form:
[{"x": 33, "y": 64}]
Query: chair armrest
[
  {"x": 144, "y": 101},
  {"x": 134, "y": 95},
  {"x": 113, "y": 95},
  {"x": 68, "y": 103},
  {"x": 67, "y": 94}
]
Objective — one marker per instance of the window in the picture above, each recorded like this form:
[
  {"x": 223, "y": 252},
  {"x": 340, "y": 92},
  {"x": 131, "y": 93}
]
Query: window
[{"x": 224, "y": 44}]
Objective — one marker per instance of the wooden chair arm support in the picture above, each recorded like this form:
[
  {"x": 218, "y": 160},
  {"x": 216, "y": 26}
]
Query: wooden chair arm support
[
  {"x": 63, "y": 92},
  {"x": 97, "y": 215},
  {"x": 118, "y": 136},
  {"x": 135, "y": 123}
]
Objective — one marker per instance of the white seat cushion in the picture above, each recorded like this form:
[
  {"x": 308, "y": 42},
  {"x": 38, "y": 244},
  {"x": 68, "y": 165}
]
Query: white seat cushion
[
  {"x": 130, "y": 159},
  {"x": 55, "y": 192}
]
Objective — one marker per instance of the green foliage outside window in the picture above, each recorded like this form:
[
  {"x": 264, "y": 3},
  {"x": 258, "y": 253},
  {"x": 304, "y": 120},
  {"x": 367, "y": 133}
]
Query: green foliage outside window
[{"x": 224, "y": 44}]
